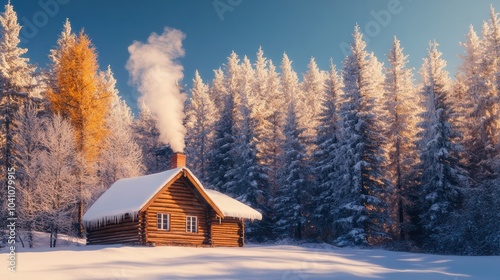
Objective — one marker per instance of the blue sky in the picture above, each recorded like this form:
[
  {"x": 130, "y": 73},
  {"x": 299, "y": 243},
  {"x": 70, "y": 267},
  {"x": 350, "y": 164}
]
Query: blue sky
[{"x": 214, "y": 28}]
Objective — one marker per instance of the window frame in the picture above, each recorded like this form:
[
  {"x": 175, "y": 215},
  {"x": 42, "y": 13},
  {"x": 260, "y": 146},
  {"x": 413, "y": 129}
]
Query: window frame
[
  {"x": 189, "y": 224},
  {"x": 161, "y": 217}
]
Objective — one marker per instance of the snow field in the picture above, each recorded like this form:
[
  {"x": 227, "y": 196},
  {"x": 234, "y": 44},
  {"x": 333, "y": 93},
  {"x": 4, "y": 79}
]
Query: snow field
[{"x": 309, "y": 261}]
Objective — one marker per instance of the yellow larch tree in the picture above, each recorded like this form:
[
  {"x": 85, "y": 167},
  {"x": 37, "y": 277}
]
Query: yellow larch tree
[{"x": 81, "y": 95}]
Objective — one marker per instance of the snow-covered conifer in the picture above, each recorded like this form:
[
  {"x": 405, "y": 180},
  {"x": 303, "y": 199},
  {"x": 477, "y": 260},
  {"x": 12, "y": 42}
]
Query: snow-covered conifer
[
  {"x": 223, "y": 157},
  {"x": 362, "y": 216},
  {"x": 442, "y": 176},
  {"x": 313, "y": 88},
  {"x": 402, "y": 110},
  {"x": 122, "y": 156},
  {"x": 325, "y": 162},
  {"x": 200, "y": 123},
  {"x": 16, "y": 78},
  {"x": 293, "y": 191},
  {"x": 289, "y": 79}
]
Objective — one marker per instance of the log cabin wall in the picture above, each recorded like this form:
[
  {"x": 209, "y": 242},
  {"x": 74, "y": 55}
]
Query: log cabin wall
[
  {"x": 179, "y": 200},
  {"x": 126, "y": 231},
  {"x": 227, "y": 232}
]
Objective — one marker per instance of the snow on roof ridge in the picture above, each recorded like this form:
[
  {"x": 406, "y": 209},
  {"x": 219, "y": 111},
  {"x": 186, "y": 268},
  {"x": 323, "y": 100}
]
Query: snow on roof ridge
[{"x": 130, "y": 195}]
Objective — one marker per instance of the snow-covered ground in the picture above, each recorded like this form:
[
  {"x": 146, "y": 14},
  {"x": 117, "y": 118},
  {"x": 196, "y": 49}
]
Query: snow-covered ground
[{"x": 308, "y": 261}]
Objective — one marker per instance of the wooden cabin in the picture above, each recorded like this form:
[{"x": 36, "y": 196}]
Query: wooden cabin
[{"x": 167, "y": 208}]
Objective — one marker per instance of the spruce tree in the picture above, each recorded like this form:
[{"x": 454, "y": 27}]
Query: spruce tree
[
  {"x": 224, "y": 153},
  {"x": 442, "y": 176},
  {"x": 362, "y": 218},
  {"x": 293, "y": 193},
  {"x": 402, "y": 107},
  {"x": 122, "y": 156},
  {"x": 325, "y": 167},
  {"x": 200, "y": 123},
  {"x": 313, "y": 87}
]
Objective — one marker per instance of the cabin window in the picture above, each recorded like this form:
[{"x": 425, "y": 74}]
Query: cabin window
[
  {"x": 163, "y": 221},
  {"x": 192, "y": 224}
]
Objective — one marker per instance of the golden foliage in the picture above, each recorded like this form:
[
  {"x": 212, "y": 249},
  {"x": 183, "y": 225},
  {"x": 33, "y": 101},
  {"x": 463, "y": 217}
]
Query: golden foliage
[{"x": 81, "y": 95}]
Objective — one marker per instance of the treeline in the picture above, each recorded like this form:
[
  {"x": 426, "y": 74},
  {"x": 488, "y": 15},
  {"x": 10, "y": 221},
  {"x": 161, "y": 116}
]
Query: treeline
[{"x": 361, "y": 156}]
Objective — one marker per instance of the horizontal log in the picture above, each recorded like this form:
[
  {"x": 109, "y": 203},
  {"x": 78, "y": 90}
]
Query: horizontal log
[
  {"x": 224, "y": 241},
  {"x": 176, "y": 234},
  {"x": 232, "y": 237},
  {"x": 113, "y": 225},
  {"x": 177, "y": 243},
  {"x": 229, "y": 241},
  {"x": 102, "y": 242},
  {"x": 224, "y": 233},
  {"x": 116, "y": 228},
  {"x": 234, "y": 240},
  {"x": 118, "y": 233},
  {"x": 153, "y": 210},
  {"x": 113, "y": 239},
  {"x": 225, "y": 229},
  {"x": 115, "y": 234},
  {"x": 176, "y": 195}
]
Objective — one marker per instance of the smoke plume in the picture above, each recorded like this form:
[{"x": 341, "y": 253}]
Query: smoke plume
[{"x": 154, "y": 69}]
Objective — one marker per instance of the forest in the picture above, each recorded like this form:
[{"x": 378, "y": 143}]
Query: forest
[{"x": 364, "y": 154}]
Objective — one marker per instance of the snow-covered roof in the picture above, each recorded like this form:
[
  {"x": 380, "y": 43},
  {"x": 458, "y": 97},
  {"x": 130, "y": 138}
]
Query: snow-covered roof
[
  {"x": 129, "y": 196},
  {"x": 231, "y": 207}
]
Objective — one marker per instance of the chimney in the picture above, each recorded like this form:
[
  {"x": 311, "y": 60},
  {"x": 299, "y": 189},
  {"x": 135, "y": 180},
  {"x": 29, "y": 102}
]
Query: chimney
[{"x": 178, "y": 160}]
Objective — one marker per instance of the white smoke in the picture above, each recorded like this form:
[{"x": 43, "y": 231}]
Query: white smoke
[{"x": 154, "y": 69}]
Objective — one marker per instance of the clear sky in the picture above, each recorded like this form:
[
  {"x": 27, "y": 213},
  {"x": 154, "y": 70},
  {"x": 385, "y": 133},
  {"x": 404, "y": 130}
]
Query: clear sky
[{"x": 214, "y": 28}]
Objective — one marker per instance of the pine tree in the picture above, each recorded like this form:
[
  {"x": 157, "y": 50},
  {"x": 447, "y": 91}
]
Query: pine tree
[
  {"x": 362, "y": 217},
  {"x": 275, "y": 102},
  {"x": 260, "y": 111},
  {"x": 400, "y": 103},
  {"x": 443, "y": 178},
  {"x": 244, "y": 149},
  {"x": 224, "y": 154},
  {"x": 289, "y": 79},
  {"x": 16, "y": 76},
  {"x": 313, "y": 87},
  {"x": 325, "y": 167},
  {"x": 218, "y": 91},
  {"x": 292, "y": 194},
  {"x": 474, "y": 88},
  {"x": 200, "y": 123},
  {"x": 122, "y": 156},
  {"x": 478, "y": 74}
]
